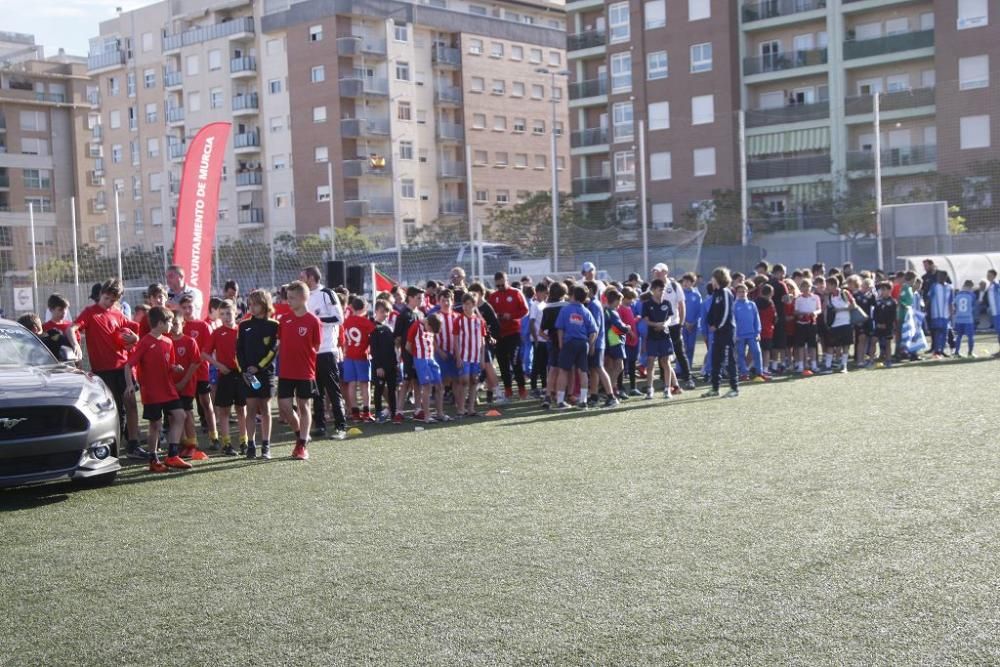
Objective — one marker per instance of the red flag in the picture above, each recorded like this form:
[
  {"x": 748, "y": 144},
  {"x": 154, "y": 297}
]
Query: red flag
[
  {"x": 381, "y": 281},
  {"x": 198, "y": 207}
]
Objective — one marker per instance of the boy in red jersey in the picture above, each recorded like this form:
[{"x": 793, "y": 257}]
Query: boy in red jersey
[
  {"x": 58, "y": 306},
  {"x": 445, "y": 343},
  {"x": 188, "y": 357},
  {"x": 357, "y": 373},
  {"x": 420, "y": 343},
  {"x": 109, "y": 337},
  {"x": 154, "y": 357},
  {"x": 200, "y": 331},
  {"x": 221, "y": 354},
  {"x": 470, "y": 339},
  {"x": 299, "y": 338},
  {"x": 156, "y": 295}
]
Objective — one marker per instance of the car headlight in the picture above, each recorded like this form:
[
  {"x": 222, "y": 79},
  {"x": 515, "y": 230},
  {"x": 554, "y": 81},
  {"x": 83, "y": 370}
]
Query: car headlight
[
  {"x": 98, "y": 401},
  {"x": 101, "y": 449}
]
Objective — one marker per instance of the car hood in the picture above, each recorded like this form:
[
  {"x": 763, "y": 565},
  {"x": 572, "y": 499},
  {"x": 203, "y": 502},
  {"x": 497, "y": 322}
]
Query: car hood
[{"x": 24, "y": 385}]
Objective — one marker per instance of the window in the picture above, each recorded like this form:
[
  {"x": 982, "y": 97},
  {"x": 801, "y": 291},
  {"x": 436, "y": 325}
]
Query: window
[
  {"x": 319, "y": 114},
  {"x": 702, "y": 109},
  {"x": 153, "y": 147},
  {"x": 479, "y": 121},
  {"x": 976, "y": 192},
  {"x": 34, "y": 146},
  {"x": 151, "y": 113},
  {"x": 496, "y": 50},
  {"x": 39, "y": 204},
  {"x": 927, "y": 21},
  {"x": 659, "y": 166},
  {"x": 33, "y": 121},
  {"x": 402, "y": 71},
  {"x": 405, "y": 150},
  {"x": 625, "y": 211},
  {"x": 133, "y": 120},
  {"x": 315, "y": 33},
  {"x": 520, "y": 160},
  {"x": 421, "y": 116},
  {"x": 516, "y": 52},
  {"x": 618, "y": 18},
  {"x": 156, "y": 217},
  {"x": 478, "y": 10},
  {"x": 276, "y": 123},
  {"x": 893, "y": 83},
  {"x": 37, "y": 179},
  {"x": 538, "y": 127},
  {"x": 625, "y": 171},
  {"x": 281, "y": 200},
  {"x": 194, "y": 101},
  {"x": 975, "y": 132},
  {"x": 704, "y": 162},
  {"x": 701, "y": 57},
  {"x": 138, "y": 220},
  {"x": 133, "y": 148},
  {"x": 972, "y": 14},
  {"x": 149, "y": 78},
  {"x": 155, "y": 181},
  {"x": 656, "y": 65},
  {"x": 477, "y": 84},
  {"x": 214, "y": 60},
  {"x": 273, "y": 47},
  {"x": 537, "y": 91},
  {"x": 555, "y": 60},
  {"x": 656, "y": 14},
  {"x": 556, "y": 93},
  {"x": 114, "y": 119},
  {"x": 116, "y": 154},
  {"x": 622, "y": 116},
  {"x": 699, "y": 9},
  {"x": 476, "y": 47},
  {"x": 215, "y": 99},
  {"x": 278, "y": 162},
  {"x": 500, "y": 123},
  {"x": 523, "y": 196},
  {"x": 321, "y": 154},
  {"x": 503, "y": 196},
  {"x": 560, "y": 163},
  {"x": 136, "y": 186},
  {"x": 480, "y": 157},
  {"x": 517, "y": 89},
  {"x": 500, "y": 159},
  {"x": 482, "y": 196},
  {"x": 407, "y": 190},
  {"x": 317, "y": 74},
  {"x": 621, "y": 72},
  {"x": 404, "y": 111},
  {"x": 498, "y": 86},
  {"x": 540, "y": 161},
  {"x": 322, "y": 193},
  {"x": 147, "y": 42},
  {"x": 191, "y": 65},
  {"x": 520, "y": 124},
  {"x": 973, "y": 72},
  {"x": 897, "y": 26},
  {"x": 130, "y": 84},
  {"x": 400, "y": 32},
  {"x": 274, "y": 86},
  {"x": 535, "y": 56},
  {"x": 113, "y": 87},
  {"x": 557, "y": 128},
  {"x": 663, "y": 215}
]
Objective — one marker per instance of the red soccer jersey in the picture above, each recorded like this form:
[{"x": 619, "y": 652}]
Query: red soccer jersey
[
  {"x": 144, "y": 326},
  {"x": 789, "y": 318},
  {"x": 223, "y": 344},
  {"x": 103, "y": 329},
  {"x": 357, "y": 336},
  {"x": 281, "y": 309},
  {"x": 201, "y": 333},
  {"x": 766, "y": 322},
  {"x": 471, "y": 333},
  {"x": 299, "y": 337},
  {"x": 62, "y": 326},
  {"x": 187, "y": 352},
  {"x": 446, "y": 338},
  {"x": 155, "y": 360},
  {"x": 509, "y": 302},
  {"x": 422, "y": 340}
]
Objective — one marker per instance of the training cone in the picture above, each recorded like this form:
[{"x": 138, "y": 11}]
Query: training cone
[
  {"x": 493, "y": 413},
  {"x": 354, "y": 431}
]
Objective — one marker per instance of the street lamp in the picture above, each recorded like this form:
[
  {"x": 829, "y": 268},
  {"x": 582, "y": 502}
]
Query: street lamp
[{"x": 553, "y": 165}]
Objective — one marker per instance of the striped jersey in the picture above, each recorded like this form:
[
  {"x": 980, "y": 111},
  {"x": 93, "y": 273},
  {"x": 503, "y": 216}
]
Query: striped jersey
[
  {"x": 422, "y": 340},
  {"x": 942, "y": 295},
  {"x": 470, "y": 335},
  {"x": 446, "y": 337}
]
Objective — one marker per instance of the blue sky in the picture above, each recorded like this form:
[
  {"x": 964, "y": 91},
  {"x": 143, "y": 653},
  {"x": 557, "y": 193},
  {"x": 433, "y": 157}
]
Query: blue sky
[{"x": 56, "y": 24}]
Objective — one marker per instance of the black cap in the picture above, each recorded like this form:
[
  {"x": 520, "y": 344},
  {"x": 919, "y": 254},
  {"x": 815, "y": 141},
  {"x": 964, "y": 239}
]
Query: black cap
[{"x": 413, "y": 290}]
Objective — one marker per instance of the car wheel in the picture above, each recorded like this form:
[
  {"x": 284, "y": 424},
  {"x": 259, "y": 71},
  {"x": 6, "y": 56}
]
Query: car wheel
[{"x": 96, "y": 482}]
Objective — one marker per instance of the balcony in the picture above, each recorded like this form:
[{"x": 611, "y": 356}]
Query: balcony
[
  {"x": 96, "y": 133},
  {"x": 586, "y": 40},
  {"x": 176, "y": 151},
  {"x": 93, "y": 98},
  {"x": 788, "y": 167},
  {"x": 792, "y": 222},
  {"x": 451, "y": 170},
  {"x": 96, "y": 177},
  {"x": 95, "y": 150},
  {"x": 595, "y": 136},
  {"x": 881, "y": 46},
  {"x": 893, "y": 157},
  {"x": 769, "y": 9},
  {"x": 894, "y": 101},
  {"x": 358, "y": 128},
  {"x": 589, "y": 88},
  {"x": 244, "y": 104},
  {"x": 246, "y": 142},
  {"x": 795, "y": 113},
  {"x": 355, "y": 86},
  {"x": 96, "y": 206},
  {"x": 101, "y": 62},
  {"x": 236, "y": 28},
  {"x": 174, "y": 187},
  {"x": 449, "y": 132},
  {"x": 780, "y": 62},
  {"x": 452, "y": 207},
  {"x": 594, "y": 185},
  {"x": 361, "y": 167},
  {"x": 250, "y": 216},
  {"x": 364, "y": 207},
  {"x": 354, "y": 46},
  {"x": 4, "y": 180},
  {"x": 175, "y": 116},
  {"x": 448, "y": 96},
  {"x": 446, "y": 57},
  {"x": 173, "y": 80},
  {"x": 240, "y": 67}
]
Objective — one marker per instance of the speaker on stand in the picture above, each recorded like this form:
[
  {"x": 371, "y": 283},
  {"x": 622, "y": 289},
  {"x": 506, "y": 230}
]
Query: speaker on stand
[{"x": 336, "y": 273}]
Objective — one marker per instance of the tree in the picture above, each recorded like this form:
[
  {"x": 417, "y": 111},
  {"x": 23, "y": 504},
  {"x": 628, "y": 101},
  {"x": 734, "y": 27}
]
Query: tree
[
  {"x": 527, "y": 225},
  {"x": 853, "y": 215},
  {"x": 956, "y": 222},
  {"x": 721, "y": 216}
]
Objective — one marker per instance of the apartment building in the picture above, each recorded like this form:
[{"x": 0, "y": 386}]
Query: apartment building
[
  {"x": 43, "y": 143},
  {"x": 810, "y": 71},
  {"x": 160, "y": 73},
  {"x": 394, "y": 96},
  {"x": 671, "y": 65}
]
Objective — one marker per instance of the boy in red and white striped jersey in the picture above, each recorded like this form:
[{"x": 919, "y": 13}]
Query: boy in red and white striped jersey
[
  {"x": 470, "y": 339},
  {"x": 445, "y": 353},
  {"x": 420, "y": 343}
]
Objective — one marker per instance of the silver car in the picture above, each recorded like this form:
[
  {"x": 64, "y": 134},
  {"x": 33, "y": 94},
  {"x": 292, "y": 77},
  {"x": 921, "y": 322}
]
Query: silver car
[{"x": 56, "y": 421}]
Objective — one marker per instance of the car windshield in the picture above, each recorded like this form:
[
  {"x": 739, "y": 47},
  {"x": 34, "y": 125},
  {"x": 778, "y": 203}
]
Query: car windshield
[{"x": 20, "y": 347}]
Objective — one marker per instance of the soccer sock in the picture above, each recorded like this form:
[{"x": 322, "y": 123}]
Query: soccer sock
[
  {"x": 173, "y": 449},
  {"x": 583, "y": 392},
  {"x": 132, "y": 444},
  {"x": 225, "y": 440},
  {"x": 843, "y": 359},
  {"x": 243, "y": 440},
  {"x": 560, "y": 396},
  {"x": 265, "y": 443},
  {"x": 214, "y": 435},
  {"x": 828, "y": 360}
]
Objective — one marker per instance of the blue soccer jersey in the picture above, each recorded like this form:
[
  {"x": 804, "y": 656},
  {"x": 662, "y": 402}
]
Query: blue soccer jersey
[
  {"x": 965, "y": 307},
  {"x": 576, "y": 322}
]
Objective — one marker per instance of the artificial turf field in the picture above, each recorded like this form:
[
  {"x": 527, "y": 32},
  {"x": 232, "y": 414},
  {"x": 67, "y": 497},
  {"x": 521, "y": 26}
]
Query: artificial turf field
[{"x": 831, "y": 520}]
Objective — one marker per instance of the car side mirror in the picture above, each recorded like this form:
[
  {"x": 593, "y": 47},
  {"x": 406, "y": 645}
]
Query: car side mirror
[{"x": 67, "y": 354}]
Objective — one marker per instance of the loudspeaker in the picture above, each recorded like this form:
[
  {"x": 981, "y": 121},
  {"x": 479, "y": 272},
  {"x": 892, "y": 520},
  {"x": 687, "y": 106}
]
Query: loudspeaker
[
  {"x": 336, "y": 273},
  {"x": 356, "y": 279}
]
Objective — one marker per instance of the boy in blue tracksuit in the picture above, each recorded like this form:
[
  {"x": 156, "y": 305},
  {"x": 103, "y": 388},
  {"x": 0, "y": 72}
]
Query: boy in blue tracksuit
[
  {"x": 706, "y": 302},
  {"x": 965, "y": 317},
  {"x": 692, "y": 313},
  {"x": 576, "y": 331},
  {"x": 598, "y": 376},
  {"x": 941, "y": 297},
  {"x": 747, "y": 333}
]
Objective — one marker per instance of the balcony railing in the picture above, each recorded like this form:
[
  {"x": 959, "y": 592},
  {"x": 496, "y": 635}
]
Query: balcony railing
[
  {"x": 448, "y": 95},
  {"x": 594, "y": 136},
  {"x": 787, "y": 167},
  {"x": 788, "y": 114},
  {"x": 452, "y": 207},
  {"x": 588, "y": 88},
  {"x": 892, "y": 157},
  {"x": 447, "y": 56},
  {"x": 93, "y": 98},
  {"x": 205, "y": 33},
  {"x": 778, "y": 62},
  {"x": 792, "y": 222},
  {"x": 4, "y": 180},
  {"x": 176, "y": 151},
  {"x": 107, "y": 59},
  {"x": 364, "y": 127},
  {"x": 450, "y": 131},
  {"x": 880, "y": 46},
  {"x": 363, "y": 167},
  {"x": 245, "y": 102},
  {"x": 352, "y": 46},
  {"x": 768, "y": 9},
  {"x": 246, "y": 140},
  {"x": 451, "y": 169},
  {"x": 586, "y": 40},
  {"x": 354, "y": 86},
  {"x": 250, "y": 216},
  {"x": 894, "y": 101},
  {"x": 244, "y": 64},
  {"x": 175, "y": 114},
  {"x": 365, "y": 206},
  {"x": 173, "y": 79},
  {"x": 593, "y": 185}
]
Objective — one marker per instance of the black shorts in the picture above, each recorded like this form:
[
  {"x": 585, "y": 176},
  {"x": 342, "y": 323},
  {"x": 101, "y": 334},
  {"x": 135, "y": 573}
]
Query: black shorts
[
  {"x": 203, "y": 387},
  {"x": 779, "y": 335},
  {"x": 115, "y": 380},
  {"x": 154, "y": 412},
  {"x": 301, "y": 389},
  {"x": 805, "y": 335},
  {"x": 841, "y": 336},
  {"x": 409, "y": 372},
  {"x": 766, "y": 344},
  {"x": 187, "y": 402},
  {"x": 266, "y": 379},
  {"x": 228, "y": 391}
]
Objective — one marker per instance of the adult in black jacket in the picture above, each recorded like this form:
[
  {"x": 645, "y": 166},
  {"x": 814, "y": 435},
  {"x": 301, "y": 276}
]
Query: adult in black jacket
[{"x": 722, "y": 322}]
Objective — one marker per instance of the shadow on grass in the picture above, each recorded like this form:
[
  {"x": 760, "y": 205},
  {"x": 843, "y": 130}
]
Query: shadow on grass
[{"x": 35, "y": 496}]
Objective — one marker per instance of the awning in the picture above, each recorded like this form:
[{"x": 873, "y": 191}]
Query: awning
[
  {"x": 768, "y": 189},
  {"x": 793, "y": 141},
  {"x": 805, "y": 193}
]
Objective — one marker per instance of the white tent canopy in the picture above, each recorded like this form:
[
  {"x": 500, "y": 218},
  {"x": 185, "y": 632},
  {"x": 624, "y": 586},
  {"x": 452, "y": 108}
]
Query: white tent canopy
[{"x": 972, "y": 266}]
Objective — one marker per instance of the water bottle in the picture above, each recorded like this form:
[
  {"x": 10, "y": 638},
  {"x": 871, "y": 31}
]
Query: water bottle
[{"x": 254, "y": 382}]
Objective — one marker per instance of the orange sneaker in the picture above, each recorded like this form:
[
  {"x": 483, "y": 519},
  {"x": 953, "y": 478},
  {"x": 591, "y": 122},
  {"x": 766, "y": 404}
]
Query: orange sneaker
[
  {"x": 300, "y": 453},
  {"x": 176, "y": 462},
  {"x": 193, "y": 453},
  {"x": 156, "y": 466},
  {"x": 522, "y": 394}
]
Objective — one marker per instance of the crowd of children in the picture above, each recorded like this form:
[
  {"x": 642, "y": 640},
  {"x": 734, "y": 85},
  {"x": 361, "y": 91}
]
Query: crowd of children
[{"x": 448, "y": 347}]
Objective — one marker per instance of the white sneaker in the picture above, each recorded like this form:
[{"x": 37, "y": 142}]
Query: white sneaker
[{"x": 666, "y": 395}]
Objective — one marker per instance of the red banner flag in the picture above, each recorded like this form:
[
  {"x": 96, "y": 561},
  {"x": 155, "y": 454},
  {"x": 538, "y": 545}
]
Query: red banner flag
[
  {"x": 382, "y": 282},
  {"x": 198, "y": 207}
]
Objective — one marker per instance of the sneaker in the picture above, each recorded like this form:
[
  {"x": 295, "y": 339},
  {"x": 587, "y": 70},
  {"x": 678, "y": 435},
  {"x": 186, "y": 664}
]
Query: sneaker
[
  {"x": 339, "y": 434},
  {"x": 636, "y": 393},
  {"x": 300, "y": 453},
  {"x": 251, "y": 452},
  {"x": 398, "y": 418},
  {"x": 592, "y": 401},
  {"x": 319, "y": 432},
  {"x": 690, "y": 384},
  {"x": 807, "y": 373},
  {"x": 649, "y": 395},
  {"x": 501, "y": 400},
  {"x": 611, "y": 402},
  {"x": 215, "y": 446},
  {"x": 367, "y": 417},
  {"x": 229, "y": 451},
  {"x": 546, "y": 404},
  {"x": 843, "y": 369},
  {"x": 562, "y": 405},
  {"x": 156, "y": 466},
  {"x": 431, "y": 419},
  {"x": 667, "y": 395},
  {"x": 732, "y": 393},
  {"x": 522, "y": 394},
  {"x": 711, "y": 393},
  {"x": 383, "y": 418},
  {"x": 138, "y": 453},
  {"x": 243, "y": 448},
  {"x": 446, "y": 418},
  {"x": 419, "y": 416},
  {"x": 582, "y": 405},
  {"x": 622, "y": 396},
  {"x": 176, "y": 462},
  {"x": 265, "y": 452},
  {"x": 744, "y": 378},
  {"x": 193, "y": 453},
  {"x": 676, "y": 391}
]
